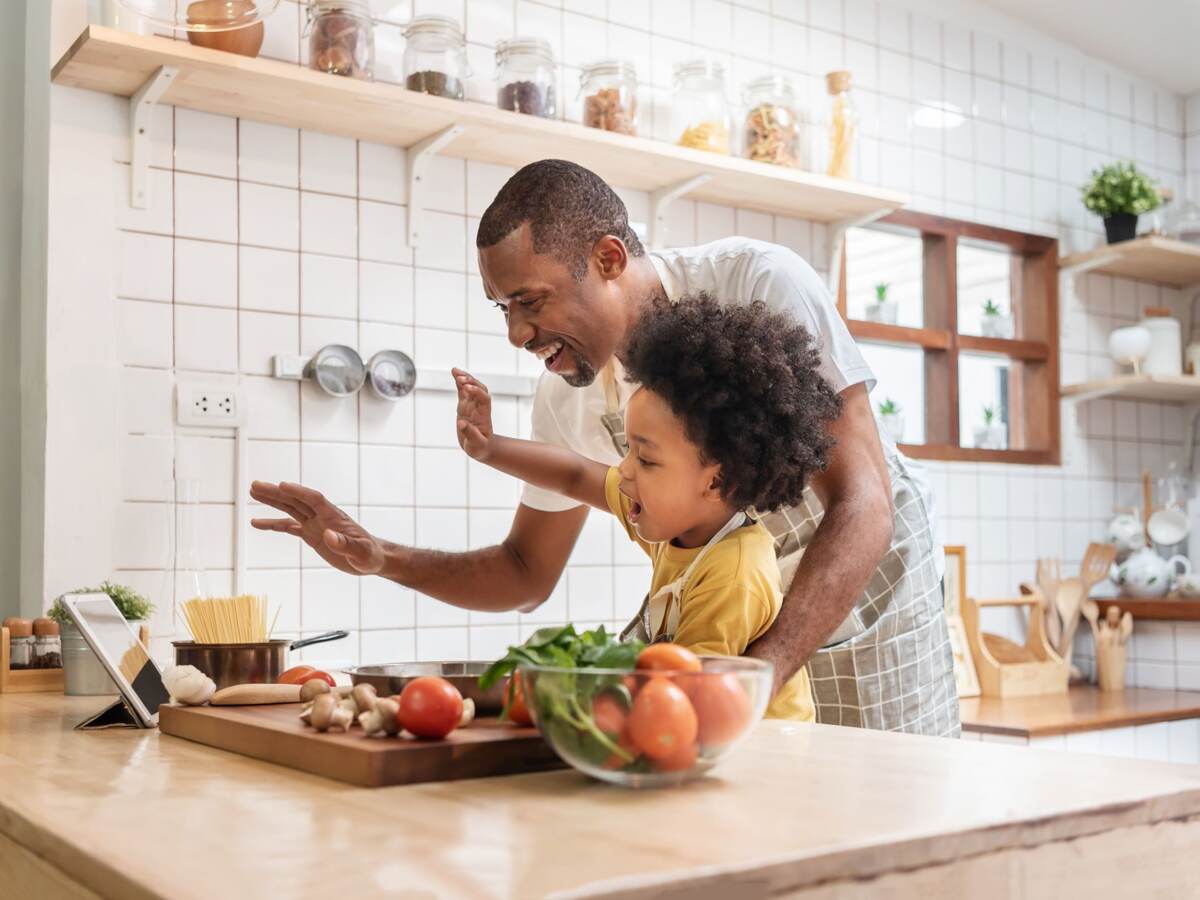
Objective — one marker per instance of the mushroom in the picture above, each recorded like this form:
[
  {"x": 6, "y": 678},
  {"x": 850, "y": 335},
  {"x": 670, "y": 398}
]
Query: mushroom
[
  {"x": 348, "y": 704},
  {"x": 384, "y": 718},
  {"x": 306, "y": 714},
  {"x": 364, "y": 697},
  {"x": 312, "y": 688},
  {"x": 323, "y": 708},
  {"x": 468, "y": 713},
  {"x": 342, "y": 719}
]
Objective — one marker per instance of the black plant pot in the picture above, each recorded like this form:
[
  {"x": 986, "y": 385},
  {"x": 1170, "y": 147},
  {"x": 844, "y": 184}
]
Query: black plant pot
[{"x": 1120, "y": 227}]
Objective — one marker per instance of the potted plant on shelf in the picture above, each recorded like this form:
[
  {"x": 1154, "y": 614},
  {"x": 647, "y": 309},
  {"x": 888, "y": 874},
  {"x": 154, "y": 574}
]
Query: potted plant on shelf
[
  {"x": 883, "y": 309},
  {"x": 891, "y": 416},
  {"x": 996, "y": 323},
  {"x": 82, "y": 672},
  {"x": 1119, "y": 194},
  {"x": 991, "y": 435}
]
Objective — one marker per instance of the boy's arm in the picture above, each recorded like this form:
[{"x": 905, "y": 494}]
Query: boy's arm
[{"x": 553, "y": 468}]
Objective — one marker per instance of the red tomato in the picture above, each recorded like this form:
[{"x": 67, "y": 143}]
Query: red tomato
[
  {"x": 632, "y": 683},
  {"x": 295, "y": 675},
  {"x": 662, "y": 719},
  {"x": 625, "y": 742},
  {"x": 722, "y": 708},
  {"x": 680, "y": 761},
  {"x": 518, "y": 711},
  {"x": 609, "y": 714},
  {"x": 668, "y": 658},
  {"x": 323, "y": 676},
  {"x": 430, "y": 707}
]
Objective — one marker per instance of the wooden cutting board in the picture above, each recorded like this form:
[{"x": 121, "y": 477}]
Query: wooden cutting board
[{"x": 275, "y": 734}]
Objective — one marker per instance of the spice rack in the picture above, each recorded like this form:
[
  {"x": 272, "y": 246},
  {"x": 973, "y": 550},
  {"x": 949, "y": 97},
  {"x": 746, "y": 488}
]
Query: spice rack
[
  {"x": 152, "y": 69},
  {"x": 26, "y": 681}
]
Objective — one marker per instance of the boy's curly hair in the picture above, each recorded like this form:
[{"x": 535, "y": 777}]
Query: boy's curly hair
[{"x": 744, "y": 381}]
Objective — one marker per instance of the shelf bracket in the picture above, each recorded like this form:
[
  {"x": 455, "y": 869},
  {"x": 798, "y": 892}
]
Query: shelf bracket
[
  {"x": 837, "y": 240},
  {"x": 661, "y": 200},
  {"x": 1191, "y": 415},
  {"x": 141, "y": 105},
  {"x": 419, "y": 155}
]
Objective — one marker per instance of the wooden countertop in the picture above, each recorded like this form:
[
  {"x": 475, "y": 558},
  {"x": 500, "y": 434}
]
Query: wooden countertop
[
  {"x": 1082, "y": 708},
  {"x": 798, "y": 808}
]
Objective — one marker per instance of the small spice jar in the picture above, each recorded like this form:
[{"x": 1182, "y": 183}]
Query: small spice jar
[
  {"x": 341, "y": 38},
  {"x": 701, "y": 111},
  {"x": 526, "y": 77},
  {"x": 609, "y": 91},
  {"x": 20, "y": 643},
  {"x": 47, "y": 644},
  {"x": 843, "y": 125},
  {"x": 435, "y": 57},
  {"x": 772, "y": 123}
]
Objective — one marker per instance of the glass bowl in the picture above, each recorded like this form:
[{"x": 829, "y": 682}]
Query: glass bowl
[
  {"x": 647, "y": 728},
  {"x": 202, "y": 15}
]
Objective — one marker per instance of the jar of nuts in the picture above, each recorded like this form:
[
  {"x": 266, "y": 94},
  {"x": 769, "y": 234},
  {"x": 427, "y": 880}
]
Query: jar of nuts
[
  {"x": 435, "y": 57},
  {"x": 341, "y": 38},
  {"x": 526, "y": 77},
  {"x": 700, "y": 112},
  {"x": 609, "y": 91},
  {"x": 772, "y": 122}
]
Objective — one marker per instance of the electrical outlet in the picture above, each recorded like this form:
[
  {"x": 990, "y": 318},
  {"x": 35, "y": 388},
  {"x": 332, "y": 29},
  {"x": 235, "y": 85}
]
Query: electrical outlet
[{"x": 209, "y": 404}]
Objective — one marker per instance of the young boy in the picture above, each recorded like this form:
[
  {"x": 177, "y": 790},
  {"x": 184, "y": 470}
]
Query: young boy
[{"x": 729, "y": 419}]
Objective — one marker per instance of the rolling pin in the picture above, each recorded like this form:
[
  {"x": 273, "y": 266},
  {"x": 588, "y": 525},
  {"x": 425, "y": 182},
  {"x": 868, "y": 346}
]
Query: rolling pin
[{"x": 256, "y": 694}]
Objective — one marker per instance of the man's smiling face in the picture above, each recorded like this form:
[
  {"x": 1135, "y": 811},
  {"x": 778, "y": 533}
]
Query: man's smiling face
[{"x": 573, "y": 326}]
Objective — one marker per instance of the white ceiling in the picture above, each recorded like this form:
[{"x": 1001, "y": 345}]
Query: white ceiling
[{"x": 1156, "y": 39}]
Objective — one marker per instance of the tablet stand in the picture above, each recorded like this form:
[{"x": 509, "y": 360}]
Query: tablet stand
[{"x": 116, "y": 715}]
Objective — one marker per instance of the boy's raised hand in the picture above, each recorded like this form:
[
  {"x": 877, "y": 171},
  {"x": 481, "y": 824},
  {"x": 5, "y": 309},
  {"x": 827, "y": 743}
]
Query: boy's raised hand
[{"x": 474, "y": 415}]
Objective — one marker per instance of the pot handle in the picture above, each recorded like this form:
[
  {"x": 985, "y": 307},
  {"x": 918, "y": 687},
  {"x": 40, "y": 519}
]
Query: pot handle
[{"x": 318, "y": 639}]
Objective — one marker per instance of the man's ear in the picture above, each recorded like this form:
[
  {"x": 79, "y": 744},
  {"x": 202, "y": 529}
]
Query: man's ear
[{"x": 610, "y": 257}]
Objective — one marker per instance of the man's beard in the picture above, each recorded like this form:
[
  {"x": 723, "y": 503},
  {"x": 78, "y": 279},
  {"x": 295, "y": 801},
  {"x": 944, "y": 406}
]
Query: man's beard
[{"x": 584, "y": 374}]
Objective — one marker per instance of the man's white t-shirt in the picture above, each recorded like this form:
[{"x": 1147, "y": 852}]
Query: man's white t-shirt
[{"x": 731, "y": 270}]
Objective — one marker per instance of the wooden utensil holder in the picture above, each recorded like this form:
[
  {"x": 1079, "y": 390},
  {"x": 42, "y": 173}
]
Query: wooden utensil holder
[
  {"x": 1044, "y": 671},
  {"x": 1110, "y": 666},
  {"x": 25, "y": 681}
]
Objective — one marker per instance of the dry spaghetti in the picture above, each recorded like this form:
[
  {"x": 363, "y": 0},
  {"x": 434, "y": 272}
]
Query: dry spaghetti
[{"x": 228, "y": 620}]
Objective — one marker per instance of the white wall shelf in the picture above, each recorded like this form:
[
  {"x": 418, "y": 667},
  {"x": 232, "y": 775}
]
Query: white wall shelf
[
  {"x": 1164, "y": 388},
  {"x": 1151, "y": 258},
  {"x": 119, "y": 63}
]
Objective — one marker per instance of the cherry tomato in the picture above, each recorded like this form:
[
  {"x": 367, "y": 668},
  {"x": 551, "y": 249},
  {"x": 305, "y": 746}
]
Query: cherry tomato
[
  {"x": 680, "y": 761},
  {"x": 430, "y": 707},
  {"x": 722, "y": 708},
  {"x": 518, "y": 711},
  {"x": 662, "y": 719},
  {"x": 668, "y": 658},
  {"x": 609, "y": 713}
]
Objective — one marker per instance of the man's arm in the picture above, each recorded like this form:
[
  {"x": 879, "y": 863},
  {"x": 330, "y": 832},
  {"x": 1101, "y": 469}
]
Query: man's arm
[{"x": 853, "y": 536}]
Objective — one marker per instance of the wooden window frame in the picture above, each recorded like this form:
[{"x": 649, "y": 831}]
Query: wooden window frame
[{"x": 1034, "y": 435}]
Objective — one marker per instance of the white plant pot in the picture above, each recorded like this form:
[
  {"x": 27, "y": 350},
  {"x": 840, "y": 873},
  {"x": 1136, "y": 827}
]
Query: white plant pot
[
  {"x": 991, "y": 437},
  {"x": 997, "y": 326},
  {"x": 893, "y": 424},
  {"x": 884, "y": 312}
]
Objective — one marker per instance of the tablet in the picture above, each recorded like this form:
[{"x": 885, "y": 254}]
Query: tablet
[{"x": 117, "y": 646}]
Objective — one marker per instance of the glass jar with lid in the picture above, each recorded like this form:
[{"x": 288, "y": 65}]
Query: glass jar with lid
[
  {"x": 20, "y": 643},
  {"x": 772, "y": 132},
  {"x": 341, "y": 38},
  {"x": 435, "y": 57},
  {"x": 701, "y": 110},
  {"x": 47, "y": 644},
  {"x": 609, "y": 89},
  {"x": 843, "y": 125},
  {"x": 525, "y": 77}
]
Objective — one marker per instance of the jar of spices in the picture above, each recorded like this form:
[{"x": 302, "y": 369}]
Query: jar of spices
[
  {"x": 609, "y": 91},
  {"x": 435, "y": 57},
  {"x": 772, "y": 123},
  {"x": 843, "y": 125},
  {"x": 701, "y": 110},
  {"x": 47, "y": 644},
  {"x": 20, "y": 643},
  {"x": 526, "y": 77},
  {"x": 341, "y": 38}
]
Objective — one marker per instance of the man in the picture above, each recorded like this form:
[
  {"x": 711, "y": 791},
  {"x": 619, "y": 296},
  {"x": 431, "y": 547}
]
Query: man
[{"x": 863, "y": 609}]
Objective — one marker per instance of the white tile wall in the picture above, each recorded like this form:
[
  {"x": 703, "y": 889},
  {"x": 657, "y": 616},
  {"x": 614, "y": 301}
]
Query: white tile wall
[{"x": 260, "y": 239}]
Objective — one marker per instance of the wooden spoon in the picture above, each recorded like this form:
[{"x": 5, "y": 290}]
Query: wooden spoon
[
  {"x": 1091, "y": 612},
  {"x": 1068, "y": 600},
  {"x": 1126, "y": 626},
  {"x": 1096, "y": 562},
  {"x": 1112, "y": 616}
]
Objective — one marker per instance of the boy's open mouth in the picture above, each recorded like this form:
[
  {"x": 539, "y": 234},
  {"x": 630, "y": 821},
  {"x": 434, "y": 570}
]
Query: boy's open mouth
[{"x": 635, "y": 510}]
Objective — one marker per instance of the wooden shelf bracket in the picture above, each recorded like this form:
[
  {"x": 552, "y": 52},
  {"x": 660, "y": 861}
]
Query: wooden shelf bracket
[
  {"x": 837, "y": 240},
  {"x": 419, "y": 155},
  {"x": 141, "y": 104},
  {"x": 661, "y": 200}
]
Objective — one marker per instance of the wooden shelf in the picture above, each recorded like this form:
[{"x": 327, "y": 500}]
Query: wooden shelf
[
  {"x": 1158, "y": 259},
  {"x": 1171, "y": 609},
  {"x": 1165, "y": 388},
  {"x": 115, "y": 62},
  {"x": 1082, "y": 708}
]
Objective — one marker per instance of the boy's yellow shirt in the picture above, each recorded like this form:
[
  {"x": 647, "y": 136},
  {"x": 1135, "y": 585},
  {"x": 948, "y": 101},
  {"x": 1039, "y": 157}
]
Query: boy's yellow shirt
[{"x": 730, "y": 600}]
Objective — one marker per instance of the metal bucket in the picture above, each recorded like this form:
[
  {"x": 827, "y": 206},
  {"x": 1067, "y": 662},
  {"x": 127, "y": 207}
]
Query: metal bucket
[{"x": 83, "y": 673}]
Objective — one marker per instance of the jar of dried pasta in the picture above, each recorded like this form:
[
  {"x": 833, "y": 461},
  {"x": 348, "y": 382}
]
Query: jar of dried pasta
[
  {"x": 700, "y": 112},
  {"x": 843, "y": 125},
  {"x": 609, "y": 91},
  {"x": 341, "y": 38},
  {"x": 772, "y": 132}
]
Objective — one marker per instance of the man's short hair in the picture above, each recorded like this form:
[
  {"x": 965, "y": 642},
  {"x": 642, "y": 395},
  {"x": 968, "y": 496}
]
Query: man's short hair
[{"x": 568, "y": 209}]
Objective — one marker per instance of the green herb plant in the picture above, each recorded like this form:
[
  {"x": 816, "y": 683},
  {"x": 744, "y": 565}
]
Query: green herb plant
[
  {"x": 889, "y": 407},
  {"x": 564, "y": 699},
  {"x": 1120, "y": 188},
  {"x": 881, "y": 290},
  {"x": 133, "y": 606},
  {"x": 989, "y": 414},
  {"x": 990, "y": 308}
]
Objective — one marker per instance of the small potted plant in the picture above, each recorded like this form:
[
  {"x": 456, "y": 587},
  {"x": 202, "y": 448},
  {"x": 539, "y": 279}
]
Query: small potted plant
[
  {"x": 1119, "y": 194},
  {"x": 891, "y": 416},
  {"x": 83, "y": 673},
  {"x": 883, "y": 309},
  {"x": 991, "y": 435},
  {"x": 995, "y": 323}
]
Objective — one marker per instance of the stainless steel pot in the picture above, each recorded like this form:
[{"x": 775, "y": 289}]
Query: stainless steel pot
[
  {"x": 391, "y": 678},
  {"x": 261, "y": 662}
]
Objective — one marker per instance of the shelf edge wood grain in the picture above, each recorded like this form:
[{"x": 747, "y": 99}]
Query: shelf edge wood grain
[
  {"x": 1164, "y": 608},
  {"x": 265, "y": 90},
  {"x": 1082, "y": 708},
  {"x": 1151, "y": 258},
  {"x": 1163, "y": 388}
]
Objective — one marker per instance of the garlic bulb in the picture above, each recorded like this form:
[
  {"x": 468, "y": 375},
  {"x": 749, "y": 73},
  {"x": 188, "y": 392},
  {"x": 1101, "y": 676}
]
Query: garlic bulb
[{"x": 188, "y": 685}]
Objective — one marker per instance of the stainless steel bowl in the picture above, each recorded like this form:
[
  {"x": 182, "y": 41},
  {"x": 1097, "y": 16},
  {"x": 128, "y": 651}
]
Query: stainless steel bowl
[{"x": 390, "y": 678}]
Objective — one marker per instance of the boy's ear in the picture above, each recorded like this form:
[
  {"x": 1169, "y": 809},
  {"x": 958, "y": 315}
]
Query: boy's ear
[{"x": 713, "y": 491}]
